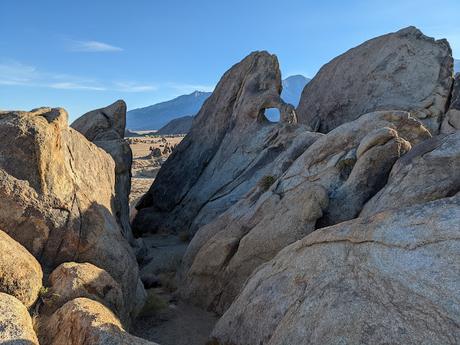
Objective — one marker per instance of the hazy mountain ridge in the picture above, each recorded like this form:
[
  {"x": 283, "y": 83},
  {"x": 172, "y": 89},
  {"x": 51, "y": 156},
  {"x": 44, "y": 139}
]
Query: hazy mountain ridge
[
  {"x": 159, "y": 115},
  {"x": 180, "y": 125},
  {"x": 456, "y": 65}
]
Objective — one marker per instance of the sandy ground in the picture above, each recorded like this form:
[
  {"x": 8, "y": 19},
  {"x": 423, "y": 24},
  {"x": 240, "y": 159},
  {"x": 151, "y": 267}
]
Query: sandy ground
[
  {"x": 183, "y": 324},
  {"x": 179, "y": 323},
  {"x": 145, "y": 167}
]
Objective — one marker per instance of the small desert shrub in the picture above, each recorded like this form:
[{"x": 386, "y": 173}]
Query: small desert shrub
[
  {"x": 47, "y": 296},
  {"x": 184, "y": 236},
  {"x": 43, "y": 292},
  {"x": 153, "y": 304},
  {"x": 266, "y": 181}
]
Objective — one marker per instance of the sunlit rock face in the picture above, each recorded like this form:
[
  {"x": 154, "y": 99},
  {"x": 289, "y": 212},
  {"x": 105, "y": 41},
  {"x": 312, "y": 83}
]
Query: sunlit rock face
[
  {"x": 83, "y": 321},
  {"x": 57, "y": 197},
  {"x": 20, "y": 273},
  {"x": 15, "y": 322}
]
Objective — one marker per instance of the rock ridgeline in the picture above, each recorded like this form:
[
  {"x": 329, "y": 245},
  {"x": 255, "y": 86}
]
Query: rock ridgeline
[
  {"x": 64, "y": 256},
  {"x": 230, "y": 147},
  {"x": 336, "y": 224},
  {"x": 405, "y": 70}
]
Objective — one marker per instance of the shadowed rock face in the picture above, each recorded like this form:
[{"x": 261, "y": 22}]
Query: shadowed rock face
[
  {"x": 105, "y": 127},
  {"x": 57, "y": 194},
  {"x": 451, "y": 122},
  {"x": 387, "y": 279},
  {"x": 226, "y": 151},
  {"x": 404, "y": 70},
  {"x": 327, "y": 184}
]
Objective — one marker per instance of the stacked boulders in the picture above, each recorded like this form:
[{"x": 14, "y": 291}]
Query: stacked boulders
[{"x": 59, "y": 214}]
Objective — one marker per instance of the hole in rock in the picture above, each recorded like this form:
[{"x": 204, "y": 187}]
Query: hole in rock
[{"x": 272, "y": 114}]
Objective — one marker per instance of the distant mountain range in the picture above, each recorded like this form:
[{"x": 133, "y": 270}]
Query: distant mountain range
[
  {"x": 159, "y": 115},
  {"x": 457, "y": 66}
]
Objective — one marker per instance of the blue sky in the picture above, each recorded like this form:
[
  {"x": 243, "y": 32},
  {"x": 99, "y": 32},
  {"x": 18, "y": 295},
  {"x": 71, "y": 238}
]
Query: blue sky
[{"x": 82, "y": 54}]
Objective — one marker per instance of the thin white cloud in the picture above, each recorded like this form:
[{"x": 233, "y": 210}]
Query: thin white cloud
[
  {"x": 75, "y": 86},
  {"x": 134, "y": 87},
  {"x": 15, "y": 73},
  {"x": 92, "y": 47}
]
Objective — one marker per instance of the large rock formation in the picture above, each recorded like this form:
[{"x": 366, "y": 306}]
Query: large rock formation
[
  {"x": 20, "y": 273},
  {"x": 327, "y": 184},
  {"x": 72, "y": 280},
  {"x": 56, "y": 197},
  {"x": 15, "y": 323},
  {"x": 86, "y": 322},
  {"x": 451, "y": 122},
  {"x": 388, "y": 279},
  {"x": 404, "y": 70},
  {"x": 230, "y": 147},
  {"x": 106, "y": 128}
]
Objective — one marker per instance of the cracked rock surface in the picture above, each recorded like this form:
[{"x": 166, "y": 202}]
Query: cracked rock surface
[{"x": 327, "y": 184}]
